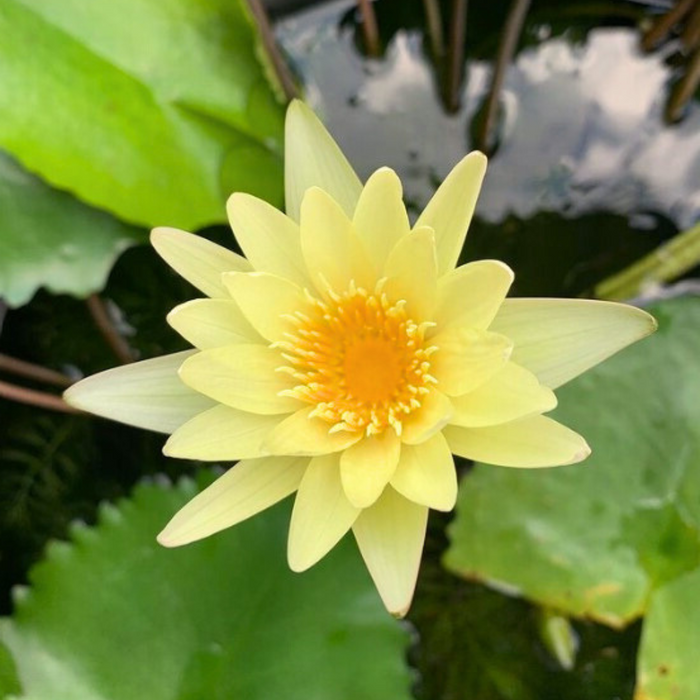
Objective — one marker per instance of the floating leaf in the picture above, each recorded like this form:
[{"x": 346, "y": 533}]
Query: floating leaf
[
  {"x": 49, "y": 239},
  {"x": 139, "y": 107},
  {"x": 116, "y": 616}
]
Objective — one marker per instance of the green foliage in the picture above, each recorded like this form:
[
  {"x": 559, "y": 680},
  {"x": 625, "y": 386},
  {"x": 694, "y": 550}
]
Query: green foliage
[
  {"x": 115, "y": 615},
  {"x": 603, "y": 539}
]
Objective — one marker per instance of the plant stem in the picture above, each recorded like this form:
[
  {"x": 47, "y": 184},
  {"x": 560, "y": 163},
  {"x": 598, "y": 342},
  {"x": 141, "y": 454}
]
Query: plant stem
[
  {"x": 665, "y": 23},
  {"x": 369, "y": 27},
  {"x": 684, "y": 89},
  {"x": 433, "y": 21},
  {"x": 455, "y": 55},
  {"x": 99, "y": 314},
  {"x": 35, "y": 398},
  {"x": 279, "y": 65},
  {"x": 32, "y": 371}
]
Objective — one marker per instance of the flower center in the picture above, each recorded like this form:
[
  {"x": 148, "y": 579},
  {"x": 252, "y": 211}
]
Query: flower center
[{"x": 359, "y": 359}]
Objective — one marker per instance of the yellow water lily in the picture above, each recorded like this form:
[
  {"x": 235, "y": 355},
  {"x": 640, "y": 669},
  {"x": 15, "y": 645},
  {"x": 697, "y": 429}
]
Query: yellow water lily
[{"x": 346, "y": 359}]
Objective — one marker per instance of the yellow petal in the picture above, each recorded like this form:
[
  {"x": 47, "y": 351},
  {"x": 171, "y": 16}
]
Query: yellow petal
[
  {"x": 243, "y": 491},
  {"x": 212, "y": 323},
  {"x": 390, "y": 535},
  {"x": 433, "y": 415},
  {"x": 301, "y": 435},
  {"x": 313, "y": 159},
  {"x": 558, "y": 339},
  {"x": 221, "y": 433},
  {"x": 511, "y": 393},
  {"x": 380, "y": 218},
  {"x": 472, "y": 294},
  {"x": 322, "y": 514},
  {"x": 466, "y": 358},
  {"x": 334, "y": 254},
  {"x": 266, "y": 300},
  {"x": 241, "y": 376},
  {"x": 269, "y": 239},
  {"x": 450, "y": 211},
  {"x": 146, "y": 394},
  {"x": 426, "y": 474},
  {"x": 535, "y": 441},
  {"x": 198, "y": 260},
  {"x": 367, "y": 467},
  {"x": 411, "y": 271}
]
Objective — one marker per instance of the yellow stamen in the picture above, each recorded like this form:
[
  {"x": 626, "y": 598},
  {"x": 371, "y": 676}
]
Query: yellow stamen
[{"x": 359, "y": 359}]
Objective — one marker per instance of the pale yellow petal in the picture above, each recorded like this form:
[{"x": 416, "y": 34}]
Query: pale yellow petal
[
  {"x": 241, "y": 376},
  {"x": 198, "y": 260},
  {"x": 511, "y": 393},
  {"x": 411, "y": 272},
  {"x": 466, "y": 358},
  {"x": 313, "y": 159},
  {"x": 322, "y": 514},
  {"x": 380, "y": 218},
  {"x": 269, "y": 239},
  {"x": 530, "y": 442},
  {"x": 433, "y": 415},
  {"x": 266, "y": 301},
  {"x": 334, "y": 254},
  {"x": 450, "y": 211},
  {"x": 390, "y": 536},
  {"x": 243, "y": 491},
  {"x": 212, "y": 323},
  {"x": 221, "y": 433},
  {"x": 367, "y": 467},
  {"x": 558, "y": 339},
  {"x": 146, "y": 394},
  {"x": 426, "y": 474},
  {"x": 299, "y": 434},
  {"x": 472, "y": 294}
]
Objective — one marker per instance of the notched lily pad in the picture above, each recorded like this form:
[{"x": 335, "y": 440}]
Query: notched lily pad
[{"x": 114, "y": 615}]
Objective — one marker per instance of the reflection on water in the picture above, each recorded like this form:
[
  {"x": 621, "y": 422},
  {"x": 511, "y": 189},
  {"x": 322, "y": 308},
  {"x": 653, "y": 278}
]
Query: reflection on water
[{"x": 581, "y": 125}]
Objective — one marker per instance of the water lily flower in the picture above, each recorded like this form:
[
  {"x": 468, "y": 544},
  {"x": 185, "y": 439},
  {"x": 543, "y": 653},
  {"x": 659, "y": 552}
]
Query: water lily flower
[{"x": 346, "y": 359}]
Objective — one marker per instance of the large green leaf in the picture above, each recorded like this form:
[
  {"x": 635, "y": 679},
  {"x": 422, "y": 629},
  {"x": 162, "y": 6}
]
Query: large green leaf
[
  {"x": 49, "y": 239},
  {"x": 151, "y": 109},
  {"x": 601, "y": 538},
  {"x": 114, "y": 615}
]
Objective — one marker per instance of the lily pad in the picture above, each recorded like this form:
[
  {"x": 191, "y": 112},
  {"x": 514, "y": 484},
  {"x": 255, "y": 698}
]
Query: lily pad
[
  {"x": 50, "y": 239},
  {"x": 139, "y": 107},
  {"x": 612, "y": 538},
  {"x": 113, "y": 615}
]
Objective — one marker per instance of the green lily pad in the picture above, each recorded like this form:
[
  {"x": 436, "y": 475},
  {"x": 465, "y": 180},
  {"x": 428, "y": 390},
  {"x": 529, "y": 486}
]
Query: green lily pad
[
  {"x": 113, "y": 615},
  {"x": 667, "y": 667},
  {"x": 140, "y": 107},
  {"x": 596, "y": 539},
  {"x": 50, "y": 239}
]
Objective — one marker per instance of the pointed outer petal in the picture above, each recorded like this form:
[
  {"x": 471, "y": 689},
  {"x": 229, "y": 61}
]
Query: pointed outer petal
[
  {"x": 198, "y": 260},
  {"x": 300, "y": 435},
  {"x": 534, "y": 441},
  {"x": 433, "y": 415},
  {"x": 212, "y": 323},
  {"x": 511, "y": 393},
  {"x": 450, "y": 211},
  {"x": 264, "y": 300},
  {"x": 322, "y": 514},
  {"x": 331, "y": 248},
  {"x": 313, "y": 159},
  {"x": 269, "y": 239},
  {"x": 146, "y": 394},
  {"x": 243, "y": 491},
  {"x": 380, "y": 218},
  {"x": 467, "y": 357},
  {"x": 426, "y": 474},
  {"x": 367, "y": 467},
  {"x": 390, "y": 535},
  {"x": 472, "y": 294},
  {"x": 221, "y": 433},
  {"x": 411, "y": 269},
  {"x": 241, "y": 376},
  {"x": 558, "y": 339}
]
